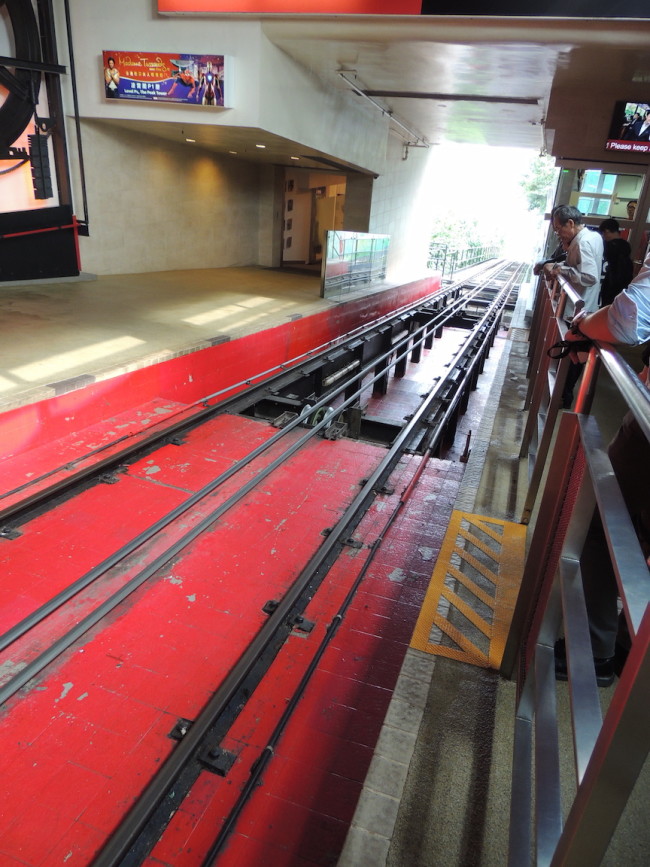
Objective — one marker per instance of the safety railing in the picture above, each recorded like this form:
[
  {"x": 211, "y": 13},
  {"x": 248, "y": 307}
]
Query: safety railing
[
  {"x": 447, "y": 260},
  {"x": 609, "y": 752},
  {"x": 556, "y": 303}
]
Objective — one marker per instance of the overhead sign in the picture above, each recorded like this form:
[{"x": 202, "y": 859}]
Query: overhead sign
[
  {"x": 630, "y": 128},
  {"x": 479, "y": 8},
  {"x": 192, "y": 79},
  {"x": 313, "y": 7}
]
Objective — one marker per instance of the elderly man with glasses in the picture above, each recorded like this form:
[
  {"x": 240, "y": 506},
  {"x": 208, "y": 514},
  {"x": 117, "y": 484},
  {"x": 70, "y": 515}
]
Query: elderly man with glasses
[
  {"x": 582, "y": 268},
  {"x": 584, "y": 254}
]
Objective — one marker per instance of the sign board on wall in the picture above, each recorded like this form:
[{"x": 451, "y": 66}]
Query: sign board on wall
[{"x": 191, "y": 79}]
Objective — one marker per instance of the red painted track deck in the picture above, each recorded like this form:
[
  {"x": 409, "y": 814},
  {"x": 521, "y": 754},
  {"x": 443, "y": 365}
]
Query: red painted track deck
[
  {"x": 82, "y": 739},
  {"x": 85, "y": 736},
  {"x": 300, "y": 813}
]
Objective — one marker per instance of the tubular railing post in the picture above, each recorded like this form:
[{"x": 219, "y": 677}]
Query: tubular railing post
[
  {"x": 545, "y": 389},
  {"x": 609, "y": 754},
  {"x": 546, "y": 535},
  {"x": 618, "y": 757},
  {"x": 541, "y": 312},
  {"x": 588, "y": 380},
  {"x": 539, "y": 386}
]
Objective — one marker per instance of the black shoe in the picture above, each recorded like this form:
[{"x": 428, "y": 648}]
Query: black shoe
[{"x": 605, "y": 671}]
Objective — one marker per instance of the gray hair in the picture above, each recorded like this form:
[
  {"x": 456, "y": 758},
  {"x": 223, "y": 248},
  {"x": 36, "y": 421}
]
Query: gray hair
[{"x": 564, "y": 213}]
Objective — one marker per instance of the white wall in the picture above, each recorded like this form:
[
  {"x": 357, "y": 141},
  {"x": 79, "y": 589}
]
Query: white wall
[
  {"x": 270, "y": 209},
  {"x": 401, "y": 208},
  {"x": 295, "y": 104},
  {"x": 153, "y": 209},
  {"x": 269, "y": 90},
  {"x": 125, "y": 25}
]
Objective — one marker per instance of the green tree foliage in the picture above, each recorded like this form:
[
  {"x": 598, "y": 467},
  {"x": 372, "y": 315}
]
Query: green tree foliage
[
  {"x": 459, "y": 233},
  {"x": 539, "y": 182}
]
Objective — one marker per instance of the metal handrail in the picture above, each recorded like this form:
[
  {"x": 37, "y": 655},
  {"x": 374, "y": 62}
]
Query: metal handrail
[
  {"x": 579, "y": 479},
  {"x": 446, "y": 259},
  {"x": 633, "y": 391},
  {"x": 546, "y": 379}
]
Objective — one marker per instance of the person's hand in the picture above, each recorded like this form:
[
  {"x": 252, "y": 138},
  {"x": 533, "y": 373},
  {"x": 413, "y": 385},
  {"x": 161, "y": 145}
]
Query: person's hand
[
  {"x": 575, "y": 332},
  {"x": 549, "y": 268},
  {"x": 575, "y": 335}
]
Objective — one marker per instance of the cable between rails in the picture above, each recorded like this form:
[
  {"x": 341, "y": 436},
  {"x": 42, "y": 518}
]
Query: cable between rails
[
  {"x": 84, "y": 581},
  {"x": 263, "y": 376}
]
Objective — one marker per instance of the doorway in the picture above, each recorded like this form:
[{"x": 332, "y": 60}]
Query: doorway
[{"x": 314, "y": 203}]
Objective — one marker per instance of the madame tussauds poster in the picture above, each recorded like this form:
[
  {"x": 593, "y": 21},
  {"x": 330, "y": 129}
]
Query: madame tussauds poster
[{"x": 192, "y": 79}]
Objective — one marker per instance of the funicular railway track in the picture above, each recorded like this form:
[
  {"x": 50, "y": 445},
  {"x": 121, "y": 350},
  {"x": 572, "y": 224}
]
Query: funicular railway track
[{"x": 314, "y": 504}]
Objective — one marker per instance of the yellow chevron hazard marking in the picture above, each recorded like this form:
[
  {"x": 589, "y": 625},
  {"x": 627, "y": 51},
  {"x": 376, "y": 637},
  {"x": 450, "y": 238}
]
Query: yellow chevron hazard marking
[{"x": 468, "y": 607}]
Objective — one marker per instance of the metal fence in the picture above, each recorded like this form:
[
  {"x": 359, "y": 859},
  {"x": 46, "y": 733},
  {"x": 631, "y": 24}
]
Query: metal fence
[
  {"x": 610, "y": 751},
  {"x": 448, "y": 259}
]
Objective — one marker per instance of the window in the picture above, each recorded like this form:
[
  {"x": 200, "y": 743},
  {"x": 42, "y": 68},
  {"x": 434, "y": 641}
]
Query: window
[
  {"x": 598, "y": 192},
  {"x": 594, "y": 206},
  {"x": 595, "y": 181}
]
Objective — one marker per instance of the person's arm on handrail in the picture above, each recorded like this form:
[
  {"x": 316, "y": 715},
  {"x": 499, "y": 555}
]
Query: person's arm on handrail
[{"x": 625, "y": 320}]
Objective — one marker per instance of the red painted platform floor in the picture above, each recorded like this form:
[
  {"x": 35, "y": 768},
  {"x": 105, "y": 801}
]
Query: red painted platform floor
[
  {"x": 80, "y": 741},
  {"x": 301, "y": 811}
]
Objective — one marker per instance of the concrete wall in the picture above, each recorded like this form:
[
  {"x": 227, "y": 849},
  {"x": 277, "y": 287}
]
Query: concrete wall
[
  {"x": 266, "y": 88},
  {"x": 150, "y": 207},
  {"x": 401, "y": 208}
]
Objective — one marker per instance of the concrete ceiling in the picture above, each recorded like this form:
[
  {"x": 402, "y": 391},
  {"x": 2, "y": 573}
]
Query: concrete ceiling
[{"x": 521, "y": 82}]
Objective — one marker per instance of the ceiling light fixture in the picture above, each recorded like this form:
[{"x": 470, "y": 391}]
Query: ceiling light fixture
[
  {"x": 294, "y": 158},
  {"x": 260, "y": 146},
  {"x": 190, "y": 140}
]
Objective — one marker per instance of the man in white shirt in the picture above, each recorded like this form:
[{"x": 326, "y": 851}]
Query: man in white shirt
[
  {"x": 582, "y": 268},
  {"x": 643, "y": 129},
  {"x": 584, "y": 254}
]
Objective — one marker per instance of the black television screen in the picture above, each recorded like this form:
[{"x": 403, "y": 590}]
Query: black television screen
[{"x": 630, "y": 128}]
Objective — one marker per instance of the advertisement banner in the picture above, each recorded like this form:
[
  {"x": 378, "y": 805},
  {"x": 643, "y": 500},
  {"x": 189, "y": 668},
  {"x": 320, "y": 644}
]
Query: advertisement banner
[{"x": 191, "y": 79}]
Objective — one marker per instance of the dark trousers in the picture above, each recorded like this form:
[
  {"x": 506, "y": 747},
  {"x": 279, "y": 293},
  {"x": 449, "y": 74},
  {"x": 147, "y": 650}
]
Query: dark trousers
[{"x": 573, "y": 375}]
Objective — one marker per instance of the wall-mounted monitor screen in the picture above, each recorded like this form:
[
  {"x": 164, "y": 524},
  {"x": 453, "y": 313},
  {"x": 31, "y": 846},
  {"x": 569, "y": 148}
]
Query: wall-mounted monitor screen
[{"x": 630, "y": 128}]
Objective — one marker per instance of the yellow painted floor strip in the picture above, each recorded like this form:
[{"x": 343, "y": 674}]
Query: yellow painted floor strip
[{"x": 468, "y": 607}]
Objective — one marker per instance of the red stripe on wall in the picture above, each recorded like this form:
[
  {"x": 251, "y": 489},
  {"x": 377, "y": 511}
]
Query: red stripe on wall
[{"x": 313, "y": 7}]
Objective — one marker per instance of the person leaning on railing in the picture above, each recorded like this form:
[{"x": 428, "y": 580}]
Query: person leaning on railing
[
  {"x": 558, "y": 255},
  {"x": 625, "y": 320}
]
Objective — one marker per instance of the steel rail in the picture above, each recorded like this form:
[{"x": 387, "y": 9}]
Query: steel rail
[
  {"x": 494, "y": 312},
  {"x": 264, "y": 377},
  {"x": 60, "y": 645},
  {"x": 267, "y": 753},
  {"x": 45, "y": 610},
  {"x": 120, "y": 844}
]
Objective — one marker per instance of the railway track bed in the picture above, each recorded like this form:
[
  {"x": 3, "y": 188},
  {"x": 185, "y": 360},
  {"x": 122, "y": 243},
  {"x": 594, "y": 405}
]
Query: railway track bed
[{"x": 166, "y": 626}]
